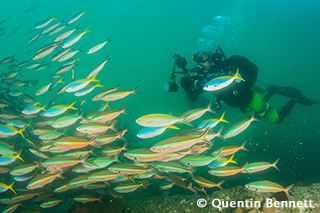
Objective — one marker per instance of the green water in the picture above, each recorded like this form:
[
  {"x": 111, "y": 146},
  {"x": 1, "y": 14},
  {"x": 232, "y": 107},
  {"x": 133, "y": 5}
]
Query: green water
[{"x": 280, "y": 37}]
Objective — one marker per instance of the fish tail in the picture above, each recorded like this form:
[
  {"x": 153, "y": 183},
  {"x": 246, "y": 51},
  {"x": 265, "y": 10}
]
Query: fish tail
[
  {"x": 287, "y": 190},
  {"x": 12, "y": 147},
  {"x": 86, "y": 31},
  {"x": 219, "y": 133},
  {"x": 71, "y": 106},
  {"x": 237, "y": 75},
  {"x": 94, "y": 78},
  {"x": 60, "y": 80},
  {"x": 43, "y": 108},
  {"x": 18, "y": 155},
  {"x": 219, "y": 184},
  {"x": 95, "y": 144},
  {"x": 244, "y": 167},
  {"x": 83, "y": 161},
  {"x": 60, "y": 175},
  {"x": 123, "y": 110},
  {"x": 54, "y": 18},
  {"x": 186, "y": 122},
  {"x": 242, "y": 146},
  {"x": 99, "y": 199},
  {"x": 274, "y": 164},
  {"x": 109, "y": 39},
  {"x": 190, "y": 188},
  {"x": 107, "y": 59},
  {"x": 28, "y": 124},
  {"x": 203, "y": 137},
  {"x": 134, "y": 90},
  {"x": 253, "y": 118},
  {"x": 209, "y": 108},
  {"x": 21, "y": 130},
  {"x": 10, "y": 187},
  {"x": 231, "y": 159},
  {"x": 98, "y": 85},
  {"x": 222, "y": 118}
]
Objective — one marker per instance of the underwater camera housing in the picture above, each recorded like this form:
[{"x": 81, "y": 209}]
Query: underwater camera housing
[{"x": 181, "y": 62}]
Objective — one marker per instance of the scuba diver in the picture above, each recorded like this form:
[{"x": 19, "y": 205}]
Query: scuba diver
[{"x": 242, "y": 94}]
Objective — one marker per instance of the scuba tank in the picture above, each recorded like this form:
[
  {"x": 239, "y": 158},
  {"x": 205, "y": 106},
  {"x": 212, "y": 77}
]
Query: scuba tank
[{"x": 260, "y": 85}]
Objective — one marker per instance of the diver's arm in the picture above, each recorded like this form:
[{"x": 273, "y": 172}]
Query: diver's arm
[{"x": 247, "y": 70}]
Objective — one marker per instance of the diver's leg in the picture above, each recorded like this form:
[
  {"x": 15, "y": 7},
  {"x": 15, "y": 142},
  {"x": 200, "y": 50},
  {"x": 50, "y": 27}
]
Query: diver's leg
[
  {"x": 272, "y": 90},
  {"x": 285, "y": 110},
  {"x": 289, "y": 92}
]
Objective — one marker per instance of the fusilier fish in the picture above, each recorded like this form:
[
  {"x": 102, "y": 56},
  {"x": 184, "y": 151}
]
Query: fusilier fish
[
  {"x": 58, "y": 110},
  {"x": 72, "y": 40},
  {"x": 98, "y": 46},
  {"x": 66, "y": 34},
  {"x": 194, "y": 114},
  {"x": 239, "y": 127},
  {"x": 76, "y": 17},
  {"x": 44, "y": 22},
  {"x": 97, "y": 68},
  {"x": 160, "y": 120},
  {"x": 260, "y": 166},
  {"x": 268, "y": 186},
  {"x": 222, "y": 82}
]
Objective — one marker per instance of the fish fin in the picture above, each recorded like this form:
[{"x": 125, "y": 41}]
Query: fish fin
[
  {"x": 244, "y": 167},
  {"x": 186, "y": 122},
  {"x": 287, "y": 190},
  {"x": 10, "y": 187},
  {"x": 18, "y": 156},
  {"x": 190, "y": 187},
  {"x": 219, "y": 184},
  {"x": 71, "y": 106},
  {"x": 131, "y": 179},
  {"x": 219, "y": 133},
  {"x": 172, "y": 127},
  {"x": 99, "y": 199},
  {"x": 134, "y": 90},
  {"x": 54, "y": 18},
  {"x": 242, "y": 146},
  {"x": 253, "y": 118},
  {"x": 274, "y": 164},
  {"x": 124, "y": 109},
  {"x": 204, "y": 191},
  {"x": 237, "y": 75},
  {"x": 221, "y": 119},
  {"x": 209, "y": 108},
  {"x": 86, "y": 31},
  {"x": 202, "y": 136},
  {"x": 231, "y": 159}
]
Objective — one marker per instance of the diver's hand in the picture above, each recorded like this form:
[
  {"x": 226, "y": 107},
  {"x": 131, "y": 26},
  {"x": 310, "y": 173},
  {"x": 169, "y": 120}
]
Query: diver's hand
[{"x": 193, "y": 74}]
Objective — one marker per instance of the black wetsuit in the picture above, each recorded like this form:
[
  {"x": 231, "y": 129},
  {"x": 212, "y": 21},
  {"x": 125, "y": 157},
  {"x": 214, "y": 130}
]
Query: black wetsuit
[
  {"x": 236, "y": 95},
  {"x": 240, "y": 94}
]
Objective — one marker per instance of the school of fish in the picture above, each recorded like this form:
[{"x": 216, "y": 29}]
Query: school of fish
[{"x": 48, "y": 148}]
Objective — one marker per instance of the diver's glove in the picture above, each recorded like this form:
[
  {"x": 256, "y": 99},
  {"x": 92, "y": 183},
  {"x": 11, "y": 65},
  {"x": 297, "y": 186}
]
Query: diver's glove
[{"x": 193, "y": 74}]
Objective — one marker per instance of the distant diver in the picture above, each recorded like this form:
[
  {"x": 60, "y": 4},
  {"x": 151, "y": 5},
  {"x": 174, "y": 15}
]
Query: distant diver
[{"x": 234, "y": 81}]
